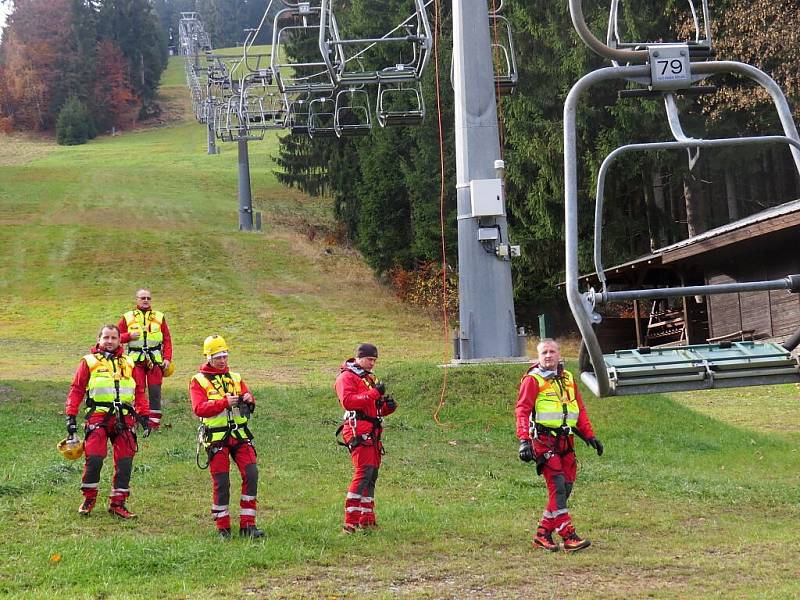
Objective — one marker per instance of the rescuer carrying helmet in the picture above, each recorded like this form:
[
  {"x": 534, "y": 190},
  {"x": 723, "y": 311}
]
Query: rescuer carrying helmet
[{"x": 114, "y": 402}]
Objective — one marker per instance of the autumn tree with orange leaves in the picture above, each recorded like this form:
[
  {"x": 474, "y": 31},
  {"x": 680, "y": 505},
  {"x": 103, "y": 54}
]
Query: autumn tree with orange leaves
[
  {"x": 56, "y": 50},
  {"x": 113, "y": 97}
]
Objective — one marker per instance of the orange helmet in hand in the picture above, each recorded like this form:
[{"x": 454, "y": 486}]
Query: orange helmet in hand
[{"x": 70, "y": 448}]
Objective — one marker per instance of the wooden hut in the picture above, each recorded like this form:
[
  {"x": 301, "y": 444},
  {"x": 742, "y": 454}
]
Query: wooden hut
[{"x": 762, "y": 246}]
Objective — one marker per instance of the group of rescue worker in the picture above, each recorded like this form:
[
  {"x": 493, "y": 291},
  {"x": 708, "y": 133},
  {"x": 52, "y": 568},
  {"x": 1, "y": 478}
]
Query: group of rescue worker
[
  {"x": 115, "y": 387},
  {"x": 122, "y": 390}
]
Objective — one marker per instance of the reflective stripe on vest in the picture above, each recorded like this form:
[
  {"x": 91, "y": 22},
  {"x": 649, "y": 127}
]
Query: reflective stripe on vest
[
  {"x": 103, "y": 373},
  {"x": 552, "y": 401},
  {"x": 149, "y": 326},
  {"x": 216, "y": 387}
]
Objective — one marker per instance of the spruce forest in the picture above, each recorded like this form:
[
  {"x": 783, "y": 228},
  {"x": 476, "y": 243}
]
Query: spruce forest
[{"x": 79, "y": 68}]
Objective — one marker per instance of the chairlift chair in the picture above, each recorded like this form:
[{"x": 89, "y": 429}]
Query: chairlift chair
[
  {"x": 399, "y": 104},
  {"x": 341, "y": 54},
  {"x": 222, "y": 125},
  {"x": 275, "y": 110},
  {"x": 310, "y": 76},
  {"x": 505, "y": 60},
  {"x": 352, "y": 113},
  {"x": 252, "y": 110},
  {"x": 322, "y": 118},
  {"x": 675, "y": 369},
  {"x": 298, "y": 116}
]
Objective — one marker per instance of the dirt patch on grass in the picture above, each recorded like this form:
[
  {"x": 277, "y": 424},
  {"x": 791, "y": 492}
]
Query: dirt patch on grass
[
  {"x": 16, "y": 149},
  {"x": 8, "y": 394},
  {"x": 175, "y": 108},
  {"x": 481, "y": 581}
]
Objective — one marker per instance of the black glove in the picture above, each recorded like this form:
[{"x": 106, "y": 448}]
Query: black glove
[
  {"x": 72, "y": 426},
  {"x": 595, "y": 443},
  {"x": 245, "y": 409},
  {"x": 145, "y": 423},
  {"x": 390, "y": 403},
  {"x": 525, "y": 451},
  {"x": 379, "y": 403},
  {"x": 381, "y": 387}
]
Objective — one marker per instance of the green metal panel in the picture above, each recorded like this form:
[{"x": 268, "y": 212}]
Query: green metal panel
[
  {"x": 701, "y": 366},
  {"x": 546, "y": 328}
]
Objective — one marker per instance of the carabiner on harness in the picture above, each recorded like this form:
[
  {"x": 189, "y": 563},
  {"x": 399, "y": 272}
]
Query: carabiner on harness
[{"x": 202, "y": 434}]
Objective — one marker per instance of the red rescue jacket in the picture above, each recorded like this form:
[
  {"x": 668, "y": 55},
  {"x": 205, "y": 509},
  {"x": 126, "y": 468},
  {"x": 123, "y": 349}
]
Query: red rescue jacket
[{"x": 355, "y": 388}]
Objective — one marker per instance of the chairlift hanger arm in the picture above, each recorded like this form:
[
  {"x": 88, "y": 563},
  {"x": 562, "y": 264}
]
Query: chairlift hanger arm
[{"x": 615, "y": 54}]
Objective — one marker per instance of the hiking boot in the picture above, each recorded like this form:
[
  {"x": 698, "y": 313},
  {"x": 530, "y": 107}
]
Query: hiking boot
[
  {"x": 573, "y": 543},
  {"x": 224, "y": 534},
  {"x": 348, "y": 529},
  {"x": 251, "y": 531},
  {"x": 86, "y": 506},
  {"x": 544, "y": 539},
  {"x": 119, "y": 510}
]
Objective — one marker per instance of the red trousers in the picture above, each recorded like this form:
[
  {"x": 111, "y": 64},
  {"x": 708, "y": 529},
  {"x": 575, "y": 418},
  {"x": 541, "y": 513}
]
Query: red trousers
[
  {"x": 244, "y": 455},
  {"x": 152, "y": 380},
  {"x": 123, "y": 444},
  {"x": 559, "y": 472},
  {"x": 359, "y": 505}
]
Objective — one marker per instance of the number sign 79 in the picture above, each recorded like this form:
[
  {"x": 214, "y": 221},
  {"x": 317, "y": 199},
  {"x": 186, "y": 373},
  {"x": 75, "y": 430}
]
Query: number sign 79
[{"x": 674, "y": 65}]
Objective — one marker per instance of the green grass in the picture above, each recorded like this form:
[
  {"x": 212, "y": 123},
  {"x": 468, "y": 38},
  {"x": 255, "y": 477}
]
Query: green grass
[{"x": 698, "y": 495}]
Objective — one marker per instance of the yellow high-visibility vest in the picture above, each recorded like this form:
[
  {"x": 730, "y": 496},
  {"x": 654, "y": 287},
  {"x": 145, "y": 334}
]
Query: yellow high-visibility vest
[
  {"x": 105, "y": 375},
  {"x": 148, "y": 324},
  {"x": 228, "y": 419},
  {"x": 556, "y": 402}
]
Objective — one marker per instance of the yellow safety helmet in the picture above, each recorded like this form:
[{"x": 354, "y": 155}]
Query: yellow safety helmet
[
  {"x": 170, "y": 369},
  {"x": 70, "y": 448},
  {"x": 214, "y": 344}
]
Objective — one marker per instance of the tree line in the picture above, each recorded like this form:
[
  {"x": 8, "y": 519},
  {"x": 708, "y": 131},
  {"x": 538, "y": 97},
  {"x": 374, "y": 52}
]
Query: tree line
[
  {"x": 386, "y": 185},
  {"x": 224, "y": 20},
  {"x": 79, "y": 66}
]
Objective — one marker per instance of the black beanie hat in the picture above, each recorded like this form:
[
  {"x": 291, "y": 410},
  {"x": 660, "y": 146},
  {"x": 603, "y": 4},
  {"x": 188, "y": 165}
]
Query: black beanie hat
[{"x": 366, "y": 350}]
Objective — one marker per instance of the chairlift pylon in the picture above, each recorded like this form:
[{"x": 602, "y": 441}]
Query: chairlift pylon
[{"x": 676, "y": 369}]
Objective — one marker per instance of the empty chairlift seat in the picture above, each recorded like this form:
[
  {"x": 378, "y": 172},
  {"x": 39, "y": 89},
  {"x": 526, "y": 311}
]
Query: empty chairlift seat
[
  {"x": 299, "y": 24},
  {"x": 399, "y": 104},
  {"x": 298, "y": 117},
  {"x": 322, "y": 118},
  {"x": 352, "y": 117},
  {"x": 505, "y": 62},
  {"x": 701, "y": 366},
  {"x": 409, "y": 43},
  {"x": 726, "y": 364}
]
